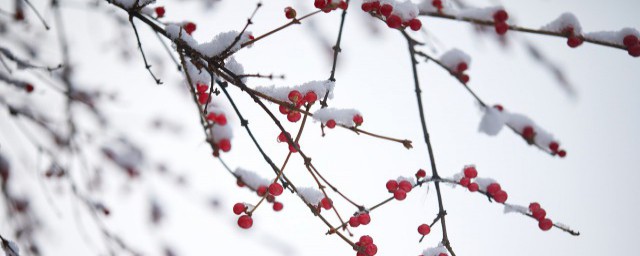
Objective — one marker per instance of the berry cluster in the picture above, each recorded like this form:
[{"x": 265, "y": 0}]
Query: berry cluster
[
  {"x": 290, "y": 13},
  {"x": 366, "y": 247},
  {"x": 298, "y": 100},
  {"x": 357, "y": 119},
  {"x": 540, "y": 214},
  {"x": 500, "y": 18},
  {"x": 360, "y": 219},
  {"x": 201, "y": 91},
  {"x": 573, "y": 40},
  {"x": 633, "y": 45},
  {"x": 283, "y": 138},
  {"x": 529, "y": 134},
  {"x": 330, "y": 5},
  {"x": 438, "y": 5},
  {"x": 399, "y": 188},
  {"x": 493, "y": 189},
  {"x": 393, "y": 19}
]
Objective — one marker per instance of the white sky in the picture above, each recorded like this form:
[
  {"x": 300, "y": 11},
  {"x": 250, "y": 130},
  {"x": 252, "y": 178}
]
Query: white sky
[{"x": 593, "y": 190}]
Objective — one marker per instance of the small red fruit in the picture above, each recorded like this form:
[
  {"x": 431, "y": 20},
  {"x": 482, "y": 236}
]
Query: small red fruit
[
  {"x": 28, "y": 87},
  {"x": 493, "y": 188},
  {"x": 415, "y": 24},
  {"x": 294, "y": 116},
  {"x": 465, "y": 78},
  {"x": 220, "y": 119},
  {"x": 462, "y": 67},
  {"x": 225, "y": 145},
  {"x": 277, "y": 206},
  {"x": 465, "y": 182},
  {"x": 424, "y": 229},
  {"x": 320, "y": 4},
  {"x": 262, "y": 190},
  {"x": 245, "y": 221},
  {"x": 353, "y": 222},
  {"x": 239, "y": 208},
  {"x": 310, "y": 97},
  {"x": 367, "y": 7},
  {"x": 554, "y": 146},
  {"x": 562, "y": 153},
  {"x": 500, "y": 196},
  {"x": 421, "y": 174},
  {"x": 331, "y": 124},
  {"x": 473, "y": 187},
  {"x": 470, "y": 172},
  {"x": 290, "y": 13},
  {"x": 203, "y": 98},
  {"x": 364, "y": 218},
  {"x": 189, "y": 27},
  {"x": 501, "y": 28},
  {"x": 326, "y": 203},
  {"x": 283, "y": 109},
  {"x": 295, "y": 96},
  {"x": 630, "y": 40},
  {"x": 400, "y": 194},
  {"x": 293, "y": 149},
  {"x": 160, "y": 11},
  {"x": 501, "y": 16},
  {"x": 392, "y": 185},
  {"x": 275, "y": 189},
  {"x": 545, "y": 224},
  {"x": 343, "y": 5},
  {"x": 271, "y": 198},
  {"x": 386, "y": 10},
  {"x": 358, "y": 119},
  {"x": 634, "y": 50},
  {"x": 534, "y": 206},
  {"x": 405, "y": 185},
  {"x": 371, "y": 249},
  {"x": 528, "y": 133},
  {"x": 282, "y": 137},
  {"x": 574, "y": 41},
  {"x": 365, "y": 240},
  {"x": 393, "y": 21},
  {"x": 539, "y": 214},
  {"x": 498, "y": 107}
]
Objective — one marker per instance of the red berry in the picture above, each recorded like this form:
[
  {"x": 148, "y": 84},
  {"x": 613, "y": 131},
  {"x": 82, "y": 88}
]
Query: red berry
[
  {"x": 375, "y": 6},
  {"x": 371, "y": 249},
  {"x": 437, "y": 4},
  {"x": 367, "y": 7},
  {"x": 405, "y": 185},
  {"x": 203, "y": 98},
  {"x": 343, "y": 5},
  {"x": 283, "y": 109},
  {"x": 462, "y": 67},
  {"x": 275, "y": 189},
  {"x": 465, "y": 182},
  {"x": 326, "y": 203},
  {"x": 498, "y": 107},
  {"x": 386, "y": 10},
  {"x": 424, "y": 229},
  {"x": 239, "y": 208},
  {"x": 421, "y": 174},
  {"x": 393, "y": 21},
  {"x": 464, "y": 78},
  {"x": 262, "y": 190},
  {"x": 277, "y": 206},
  {"x": 289, "y": 12},
  {"x": 493, "y": 188},
  {"x": 293, "y": 149},
  {"x": 473, "y": 187},
  {"x": 630, "y": 40},
  {"x": 539, "y": 214},
  {"x": 310, "y": 97},
  {"x": 225, "y": 145},
  {"x": 392, "y": 185},
  {"x": 634, "y": 50},
  {"x": 331, "y": 124},
  {"x": 528, "y": 133},
  {"x": 501, "y": 28},
  {"x": 574, "y": 41},
  {"x": 320, "y": 4},
  {"x": 221, "y": 119},
  {"x": 295, "y": 96},
  {"x": 190, "y": 27},
  {"x": 271, "y": 198},
  {"x": 365, "y": 240},
  {"x": 364, "y": 218},
  {"x": 353, "y": 222},
  {"x": 358, "y": 119},
  {"x": 415, "y": 24},
  {"x": 545, "y": 224},
  {"x": 239, "y": 183},
  {"x": 282, "y": 137},
  {"x": 501, "y": 16},
  {"x": 534, "y": 206},
  {"x": 294, "y": 116},
  {"x": 470, "y": 172},
  {"x": 400, "y": 194},
  {"x": 28, "y": 87},
  {"x": 554, "y": 146},
  {"x": 562, "y": 153},
  {"x": 245, "y": 221},
  {"x": 500, "y": 196},
  {"x": 160, "y": 11}
]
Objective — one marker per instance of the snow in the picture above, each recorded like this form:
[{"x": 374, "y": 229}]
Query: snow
[
  {"x": 483, "y": 183},
  {"x": 221, "y": 42},
  {"x": 426, "y": 6},
  {"x": 562, "y": 225},
  {"x": 250, "y": 178},
  {"x": 197, "y": 75},
  {"x": 435, "y": 251},
  {"x": 175, "y": 31},
  {"x": 341, "y": 116},
  {"x": 453, "y": 57},
  {"x": 235, "y": 67},
  {"x": 566, "y": 20},
  {"x": 10, "y": 248},
  {"x": 282, "y": 93},
  {"x": 409, "y": 179},
  {"x": 129, "y": 3},
  {"x": 614, "y": 37},
  {"x": 492, "y": 121},
  {"x": 509, "y": 208},
  {"x": 311, "y": 195},
  {"x": 485, "y": 13},
  {"x": 405, "y": 10}
]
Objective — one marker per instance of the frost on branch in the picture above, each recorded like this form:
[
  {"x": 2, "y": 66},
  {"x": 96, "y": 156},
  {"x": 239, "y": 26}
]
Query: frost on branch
[
  {"x": 130, "y": 3},
  {"x": 232, "y": 65},
  {"x": 560, "y": 24},
  {"x": 197, "y": 75},
  {"x": 10, "y": 248},
  {"x": 614, "y": 37},
  {"x": 453, "y": 58},
  {"x": 436, "y": 251},
  {"x": 442, "y": 6},
  {"x": 485, "y": 13},
  {"x": 320, "y": 88},
  {"x": 222, "y": 41},
  {"x": 510, "y": 208},
  {"x": 176, "y": 31},
  {"x": 339, "y": 116},
  {"x": 492, "y": 122},
  {"x": 251, "y": 179},
  {"x": 311, "y": 195}
]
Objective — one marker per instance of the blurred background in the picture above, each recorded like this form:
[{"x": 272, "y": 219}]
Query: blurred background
[{"x": 595, "y": 114}]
